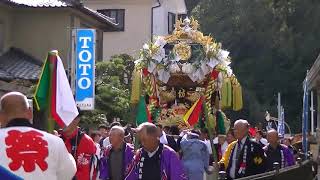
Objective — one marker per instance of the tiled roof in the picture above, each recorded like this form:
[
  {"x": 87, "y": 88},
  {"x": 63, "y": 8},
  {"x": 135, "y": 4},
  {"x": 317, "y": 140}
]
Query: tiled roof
[
  {"x": 4, "y": 75},
  {"x": 63, "y": 4},
  {"x": 98, "y": 15},
  {"x": 16, "y": 64},
  {"x": 40, "y": 3}
]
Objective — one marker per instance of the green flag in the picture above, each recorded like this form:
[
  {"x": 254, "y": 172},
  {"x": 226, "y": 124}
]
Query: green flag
[
  {"x": 220, "y": 128},
  {"x": 42, "y": 93},
  {"x": 143, "y": 114}
]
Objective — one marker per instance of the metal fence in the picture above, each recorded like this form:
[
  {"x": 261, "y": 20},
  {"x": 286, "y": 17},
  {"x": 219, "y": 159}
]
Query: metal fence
[{"x": 301, "y": 171}]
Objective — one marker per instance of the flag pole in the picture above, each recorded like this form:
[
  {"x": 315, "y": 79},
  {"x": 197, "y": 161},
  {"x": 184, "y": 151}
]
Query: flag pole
[
  {"x": 53, "y": 65},
  {"x": 214, "y": 153},
  {"x": 136, "y": 109},
  {"x": 210, "y": 133}
]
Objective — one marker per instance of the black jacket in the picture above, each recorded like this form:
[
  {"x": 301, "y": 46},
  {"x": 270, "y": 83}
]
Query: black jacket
[
  {"x": 255, "y": 160},
  {"x": 172, "y": 143}
]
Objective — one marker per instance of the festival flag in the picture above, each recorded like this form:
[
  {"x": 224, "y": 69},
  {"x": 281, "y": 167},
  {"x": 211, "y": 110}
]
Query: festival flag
[
  {"x": 143, "y": 114},
  {"x": 281, "y": 126},
  {"x": 194, "y": 113},
  {"x": 53, "y": 92},
  {"x": 220, "y": 128},
  {"x": 189, "y": 112},
  {"x": 42, "y": 94}
]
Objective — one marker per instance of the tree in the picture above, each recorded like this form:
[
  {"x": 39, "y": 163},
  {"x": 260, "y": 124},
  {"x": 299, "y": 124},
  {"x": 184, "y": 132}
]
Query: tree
[
  {"x": 272, "y": 43},
  {"x": 112, "y": 90},
  {"x": 190, "y": 4}
]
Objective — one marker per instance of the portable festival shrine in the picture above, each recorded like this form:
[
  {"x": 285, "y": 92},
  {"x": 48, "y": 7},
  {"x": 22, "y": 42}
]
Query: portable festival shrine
[{"x": 185, "y": 79}]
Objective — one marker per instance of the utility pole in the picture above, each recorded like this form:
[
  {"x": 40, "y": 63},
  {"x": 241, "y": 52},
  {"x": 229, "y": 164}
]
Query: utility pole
[
  {"x": 279, "y": 106},
  {"x": 312, "y": 114}
]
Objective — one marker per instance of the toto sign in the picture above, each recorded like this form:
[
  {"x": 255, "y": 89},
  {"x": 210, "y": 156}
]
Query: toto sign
[{"x": 85, "y": 62}]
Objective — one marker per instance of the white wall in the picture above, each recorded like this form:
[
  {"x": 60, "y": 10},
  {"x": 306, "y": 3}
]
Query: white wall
[
  {"x": 160, "y": 19},
  {"x": 38, "y": 31},
  {"x": 137, "y": 28},
  {"x": 6, "y": 21}
]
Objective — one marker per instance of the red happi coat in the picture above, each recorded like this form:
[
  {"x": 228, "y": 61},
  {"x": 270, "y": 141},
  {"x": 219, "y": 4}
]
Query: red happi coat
[{"x": 84, "y": 155}]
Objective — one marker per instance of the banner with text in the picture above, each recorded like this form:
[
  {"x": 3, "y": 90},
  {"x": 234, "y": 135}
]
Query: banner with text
[{"x": 85, "y": 71}]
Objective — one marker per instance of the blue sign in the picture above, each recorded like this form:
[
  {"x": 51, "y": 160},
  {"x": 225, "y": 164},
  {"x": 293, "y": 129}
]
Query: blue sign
[{"x": 85, "y": 63}]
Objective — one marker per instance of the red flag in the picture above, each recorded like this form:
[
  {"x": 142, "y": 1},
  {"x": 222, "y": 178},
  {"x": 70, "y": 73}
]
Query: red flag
[{"x": 192, "y": 116}]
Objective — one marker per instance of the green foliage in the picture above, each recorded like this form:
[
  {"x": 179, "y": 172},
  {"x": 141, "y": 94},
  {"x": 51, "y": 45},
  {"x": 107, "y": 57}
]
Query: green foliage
[
  {"x": 190, "y": 4},
  {"x": 272, "y": 43},
  {"x": 113, "y": 78}
]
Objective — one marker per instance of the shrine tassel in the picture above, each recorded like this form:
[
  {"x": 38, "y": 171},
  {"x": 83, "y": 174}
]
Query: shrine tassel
[
  {"x": 208, "y": 94},
  {"x": 136, "y": 87}
]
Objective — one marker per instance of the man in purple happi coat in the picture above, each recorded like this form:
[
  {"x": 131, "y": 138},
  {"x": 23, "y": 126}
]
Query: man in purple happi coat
[
  {"x": 277, "y": 152},
  {"x": 154, "y": 161},
  {"x": 116, "y": 157}
]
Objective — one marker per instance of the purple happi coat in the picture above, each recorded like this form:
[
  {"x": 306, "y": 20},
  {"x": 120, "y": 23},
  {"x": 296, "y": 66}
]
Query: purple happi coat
[
  {"x": 288, "y": 156},
  {"x": 171, "y": 167},
  {"x": 105, "y": 163}
]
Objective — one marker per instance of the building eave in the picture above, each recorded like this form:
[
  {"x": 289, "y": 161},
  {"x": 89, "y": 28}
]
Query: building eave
[
  {"x": 313, "y": 77},
  {"x": 106, "y": 23}
]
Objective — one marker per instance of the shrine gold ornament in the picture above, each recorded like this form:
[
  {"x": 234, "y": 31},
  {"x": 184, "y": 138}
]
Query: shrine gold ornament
[
  {"x": 193, "y": 96},
  {"x": 183, "y": 50},
  {"x": 167, "y": 96}
]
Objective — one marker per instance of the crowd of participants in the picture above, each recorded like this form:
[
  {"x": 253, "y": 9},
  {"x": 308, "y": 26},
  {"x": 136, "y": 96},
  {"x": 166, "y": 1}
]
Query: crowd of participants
[{"x": 149, "y": 152}]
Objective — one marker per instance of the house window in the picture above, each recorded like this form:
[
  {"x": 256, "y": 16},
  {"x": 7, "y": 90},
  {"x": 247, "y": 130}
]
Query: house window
[
  {"x": 117, "y": 14},
  {"x": 171, "y": 22},
  {"x": 182, "y": 16},
  {"x": 99, "y": 46}
]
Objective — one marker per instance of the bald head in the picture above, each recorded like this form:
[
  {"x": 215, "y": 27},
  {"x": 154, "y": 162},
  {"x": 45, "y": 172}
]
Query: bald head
[
  {"x": 13, "y": 101},
  {"x": 14, "y": 105},
  {"x": 149, "y": 136},
  {"x": 116, "y": 136},
  {"x": 117, "y": 130},
  {"x": 273, "y": 137},
  {"x": 149, "y": 129},
  {"x": 273, "y": 131},
  {"x": 241, "y": 128}
]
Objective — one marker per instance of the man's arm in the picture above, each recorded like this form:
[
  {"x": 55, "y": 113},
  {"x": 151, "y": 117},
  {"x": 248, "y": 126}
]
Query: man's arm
[
  {"x": 66, "y": 166},
  {"x": 225, "y": 157},
  {"x": 206, "y": 157},
  {"x": 176, "y": 168},
  {"x": 85, "y": 151}
]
